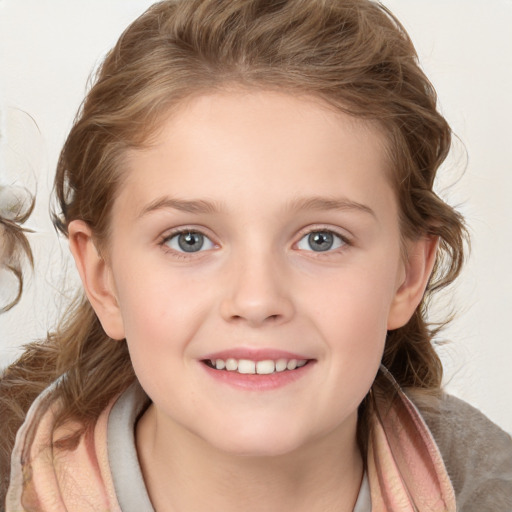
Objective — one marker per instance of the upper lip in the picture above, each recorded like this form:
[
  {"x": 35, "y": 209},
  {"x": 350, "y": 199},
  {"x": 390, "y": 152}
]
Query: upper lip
[{"x": 255, "y": 354}]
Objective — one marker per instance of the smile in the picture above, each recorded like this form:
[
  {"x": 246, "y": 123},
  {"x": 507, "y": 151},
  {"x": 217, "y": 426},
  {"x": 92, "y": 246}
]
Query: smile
[{"x": 249, "y": 367}]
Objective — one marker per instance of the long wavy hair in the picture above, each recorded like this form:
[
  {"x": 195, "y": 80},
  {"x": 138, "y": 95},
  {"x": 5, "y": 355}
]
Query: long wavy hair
[{"x": 352, "y": 54}]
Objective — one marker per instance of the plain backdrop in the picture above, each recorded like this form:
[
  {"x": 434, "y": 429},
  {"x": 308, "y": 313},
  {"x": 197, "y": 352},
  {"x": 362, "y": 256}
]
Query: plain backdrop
[{"x": 48, "y": 49}]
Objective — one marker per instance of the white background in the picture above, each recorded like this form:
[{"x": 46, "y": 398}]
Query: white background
[{"x": 49, "y": 47}]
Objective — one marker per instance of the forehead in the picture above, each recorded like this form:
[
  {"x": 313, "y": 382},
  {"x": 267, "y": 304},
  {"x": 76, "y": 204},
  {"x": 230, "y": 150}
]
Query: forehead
[{"x": 267, "y": 144}]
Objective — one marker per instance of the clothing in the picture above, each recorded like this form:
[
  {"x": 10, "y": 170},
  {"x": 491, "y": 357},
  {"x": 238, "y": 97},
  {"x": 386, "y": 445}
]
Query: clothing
[
  {"x": 124, "y": 465},
  {"x": 405, "y": 469},
  {"x": 477, "y": 454}
]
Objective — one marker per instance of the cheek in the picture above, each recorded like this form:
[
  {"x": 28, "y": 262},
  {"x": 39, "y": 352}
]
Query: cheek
[
  {"x": 355, "y": 299},
  {"x": 161, "y": 310},
  {"x": 351, "y": 311}
]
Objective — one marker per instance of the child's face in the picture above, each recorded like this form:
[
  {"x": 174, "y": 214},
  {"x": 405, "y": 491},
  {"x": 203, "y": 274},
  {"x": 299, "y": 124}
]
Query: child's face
[{"x": 258, "y": 227}]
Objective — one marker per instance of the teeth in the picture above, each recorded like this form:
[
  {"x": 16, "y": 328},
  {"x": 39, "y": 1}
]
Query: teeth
[
  {"x": 231, "y": 364},
  {"x": 246, "y": 366},
  {"x": 292, "y": 364},
  {"x": 266, "y": 367},
  {"x": 281, "y": 365}
]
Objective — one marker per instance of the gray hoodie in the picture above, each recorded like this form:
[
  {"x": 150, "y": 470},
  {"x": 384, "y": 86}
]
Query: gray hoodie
[{"x": 477, "y": 455}]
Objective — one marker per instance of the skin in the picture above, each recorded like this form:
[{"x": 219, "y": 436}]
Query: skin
[{"x": 257, "y": 158}]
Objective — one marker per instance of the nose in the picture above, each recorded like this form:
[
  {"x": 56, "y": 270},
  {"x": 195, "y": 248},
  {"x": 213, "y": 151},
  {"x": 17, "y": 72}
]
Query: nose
[{"x": 257, "y": 291}]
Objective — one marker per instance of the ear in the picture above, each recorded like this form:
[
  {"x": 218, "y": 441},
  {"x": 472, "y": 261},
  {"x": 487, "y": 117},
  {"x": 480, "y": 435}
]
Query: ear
[
  {"x": 96, "y": 278},
  {"x": 421, "y": 256}
]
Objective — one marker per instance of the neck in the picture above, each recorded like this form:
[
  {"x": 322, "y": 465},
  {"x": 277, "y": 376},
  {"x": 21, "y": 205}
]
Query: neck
[{"x": 184, "y": 473}]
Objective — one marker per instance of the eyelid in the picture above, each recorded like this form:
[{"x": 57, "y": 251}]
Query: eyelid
[
  {"x": 169, "y": 234},
  {"x": 174, "y": 232},
  {"x": 346, "y": 239}
]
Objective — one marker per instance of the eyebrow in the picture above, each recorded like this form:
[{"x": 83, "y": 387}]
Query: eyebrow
[
  {"x": 328, "y": 203},
  {"x": 188, "y": 206},
  {"x": 201, "y": 206}
]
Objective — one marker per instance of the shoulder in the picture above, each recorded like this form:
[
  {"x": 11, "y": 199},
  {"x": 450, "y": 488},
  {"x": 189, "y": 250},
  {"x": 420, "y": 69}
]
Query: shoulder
[
  {"x": 55, "y": 465},
  {"x": 477, "y": 454}
]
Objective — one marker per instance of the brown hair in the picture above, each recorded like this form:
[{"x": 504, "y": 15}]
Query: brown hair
[
  {"x": 352, "y": 54},
  {"x": 16, "y": 206}
]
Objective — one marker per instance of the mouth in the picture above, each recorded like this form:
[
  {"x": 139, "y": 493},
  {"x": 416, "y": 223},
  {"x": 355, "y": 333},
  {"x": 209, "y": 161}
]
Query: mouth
[
  {"x": 257, "y": 369},
  {"x": 250, "y": 367}
]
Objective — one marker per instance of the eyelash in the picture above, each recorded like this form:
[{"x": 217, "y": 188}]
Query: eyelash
[
  {"x": 182, "y": 231},
  {"x": 344, "y": 239},
  {"x": 346, "y": 242}
]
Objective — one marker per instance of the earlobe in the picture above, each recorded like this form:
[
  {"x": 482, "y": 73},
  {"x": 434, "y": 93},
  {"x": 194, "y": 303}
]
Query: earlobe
[
  {"x": 96, "y": 278},
  {"x": 421, "y": 256}
]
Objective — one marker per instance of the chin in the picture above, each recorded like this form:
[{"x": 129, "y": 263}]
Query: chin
[
  {"x": 256, "y": 442},
  {"x": 256, "y": 434}
]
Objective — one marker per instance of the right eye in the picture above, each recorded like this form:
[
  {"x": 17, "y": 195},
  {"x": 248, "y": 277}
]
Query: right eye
[{"x": 188, "y": 241}]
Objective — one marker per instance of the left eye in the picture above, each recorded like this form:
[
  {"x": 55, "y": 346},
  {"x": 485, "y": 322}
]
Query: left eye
[
  {"x": 189, "y": 241},
  {"x": 320, "y": 241}
]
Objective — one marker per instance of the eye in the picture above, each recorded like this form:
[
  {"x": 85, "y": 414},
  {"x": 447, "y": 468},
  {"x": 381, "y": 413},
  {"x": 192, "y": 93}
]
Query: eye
[
  {"x": 320, "y": 241},
  {"x": 189, "y": 241}
]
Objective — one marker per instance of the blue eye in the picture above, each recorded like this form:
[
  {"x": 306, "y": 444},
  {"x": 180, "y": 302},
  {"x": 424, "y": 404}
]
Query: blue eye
[
  {"x": 320, "y": 241},
  {"x": 189, "y": 241}
]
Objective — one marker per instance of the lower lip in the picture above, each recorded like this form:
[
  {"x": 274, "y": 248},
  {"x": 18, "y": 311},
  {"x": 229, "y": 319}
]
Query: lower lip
[{"x": 256, "y": 382}]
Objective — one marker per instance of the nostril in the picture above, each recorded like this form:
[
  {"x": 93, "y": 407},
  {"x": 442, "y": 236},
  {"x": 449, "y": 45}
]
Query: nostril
[
  {"x": 256, "y": 310},
  {"x": 270, "y": 318}
]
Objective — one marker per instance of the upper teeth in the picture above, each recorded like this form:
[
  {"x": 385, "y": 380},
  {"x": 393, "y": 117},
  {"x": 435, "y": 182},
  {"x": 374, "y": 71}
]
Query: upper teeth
[{"x": 261, "y": 367}]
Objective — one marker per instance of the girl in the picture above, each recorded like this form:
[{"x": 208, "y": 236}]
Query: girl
[{"x": 247, "y": 192}]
